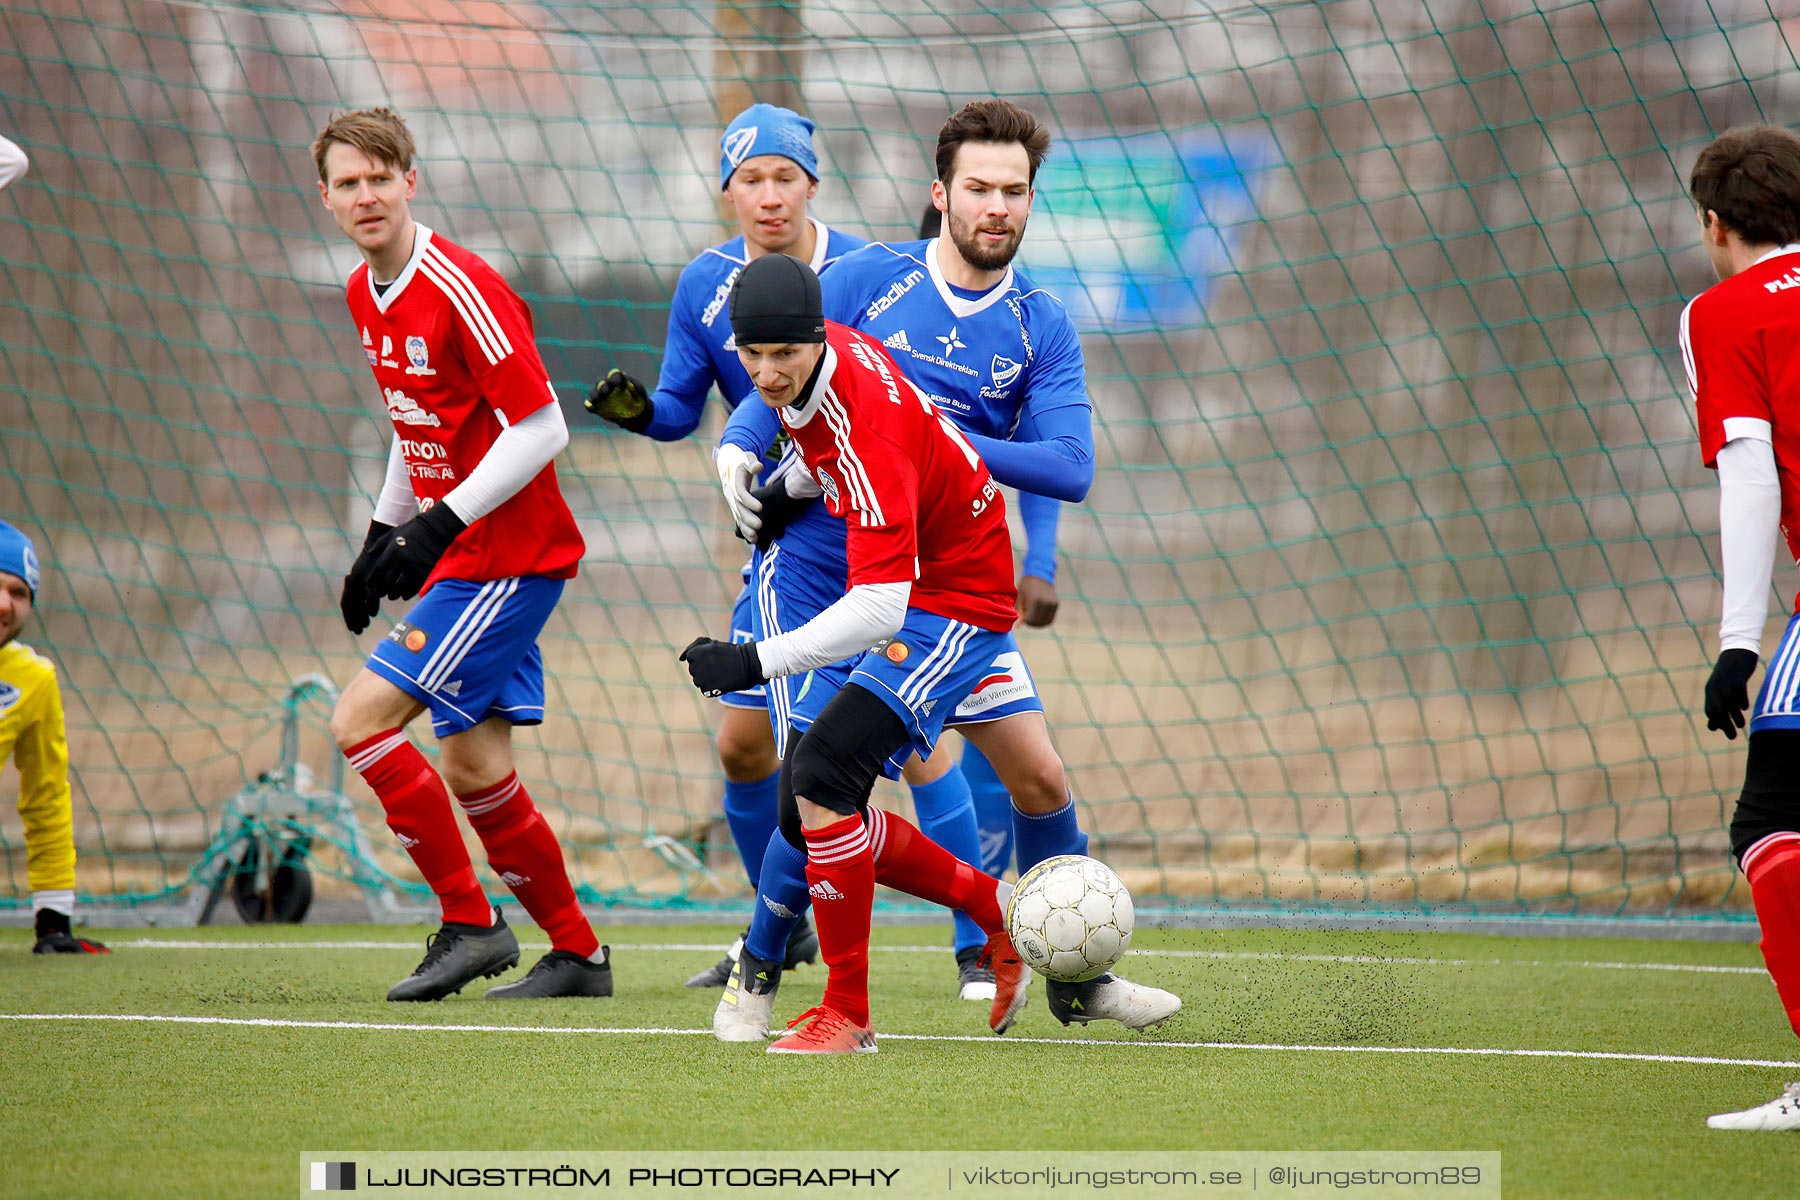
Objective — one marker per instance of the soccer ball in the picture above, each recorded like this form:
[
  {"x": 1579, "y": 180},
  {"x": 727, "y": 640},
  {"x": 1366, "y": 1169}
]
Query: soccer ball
[{"x": 1070, "y": 918}]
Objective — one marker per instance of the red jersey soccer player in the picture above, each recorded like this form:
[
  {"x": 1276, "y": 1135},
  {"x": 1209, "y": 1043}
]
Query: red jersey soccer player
[
  {"x": 1740, "y": 341},
  {"x": 472, "y": 521},
  {"x": 930, "y": 581}
]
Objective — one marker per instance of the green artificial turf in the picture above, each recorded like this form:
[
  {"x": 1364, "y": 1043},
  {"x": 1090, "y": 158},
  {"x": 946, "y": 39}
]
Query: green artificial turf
[{"x": 140, "y": 1108}]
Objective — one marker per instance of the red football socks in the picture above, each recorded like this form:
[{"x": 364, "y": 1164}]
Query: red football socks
[
  {"x": 909, "y": 861},
  {"x": 1773, "y": 868},
  {"x": 523, "y": 851},
  {"x": 840, "y": 874},
  {"x": 418, "y": 811}
]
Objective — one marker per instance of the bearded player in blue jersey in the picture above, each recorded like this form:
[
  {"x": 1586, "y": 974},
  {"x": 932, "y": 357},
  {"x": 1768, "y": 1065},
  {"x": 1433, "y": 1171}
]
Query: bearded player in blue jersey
[
  {"x": 1001, "y": 359},
  {"x": 1038, "y": 604}
]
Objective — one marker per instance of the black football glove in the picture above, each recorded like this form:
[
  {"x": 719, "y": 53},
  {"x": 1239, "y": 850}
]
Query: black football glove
[
  {"x": 55, "y": 936},
  {"x": 778, "y": 511},
  {"x": 718, "y": 667},
  {"x": 404, "y": 562},
  {"x": 1728, "y": 691},
  {"x": 622, "y": 400},
  {"x": 361, "y": 605}
]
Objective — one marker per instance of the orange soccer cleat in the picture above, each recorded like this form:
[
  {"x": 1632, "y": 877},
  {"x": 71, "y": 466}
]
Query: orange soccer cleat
[
  {"x": 826, "y": 1032},
  {"x": 1012, "y": 981}
]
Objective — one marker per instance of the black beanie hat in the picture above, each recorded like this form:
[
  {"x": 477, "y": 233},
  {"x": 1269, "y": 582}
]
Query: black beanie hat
[{"x": 776, "y": 301}]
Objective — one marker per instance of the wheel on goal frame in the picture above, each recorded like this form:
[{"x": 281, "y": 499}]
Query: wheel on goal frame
[{"x": 287, "y": 892}]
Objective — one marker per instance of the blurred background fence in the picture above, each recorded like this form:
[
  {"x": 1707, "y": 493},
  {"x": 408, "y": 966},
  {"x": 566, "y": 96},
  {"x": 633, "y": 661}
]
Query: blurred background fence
[{"x": 1397, "y": 585}]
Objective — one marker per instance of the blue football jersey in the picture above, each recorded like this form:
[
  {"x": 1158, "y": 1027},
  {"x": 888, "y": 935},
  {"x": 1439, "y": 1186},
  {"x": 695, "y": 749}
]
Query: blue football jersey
[
  {"x": 982, "y": 358},
  {"x": 1004, "y": 364},
  {"x": 700, "y": 353}
]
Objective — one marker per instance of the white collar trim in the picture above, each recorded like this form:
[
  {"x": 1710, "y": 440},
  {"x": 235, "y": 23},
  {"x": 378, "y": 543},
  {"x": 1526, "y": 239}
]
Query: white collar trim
[
  {"x": 821, "y": 240},
  {"x": 1790, "y": 248},
  {"x": 955, "y": 303},
  {"x": 383, "y": 299}
]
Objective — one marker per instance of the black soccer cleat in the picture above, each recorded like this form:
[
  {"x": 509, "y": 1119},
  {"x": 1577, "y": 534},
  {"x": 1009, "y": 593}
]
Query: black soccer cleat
[
  {"x": 67, "y": 943},
  {"x": 456, "y": 955},
  {"x": 560, "y": 973},
  {"x": 56, "y": 935},
  {"x": 716, "y": 975},
  {"x": 802, "y": 946},
  {"x": 973, "y": 980}
]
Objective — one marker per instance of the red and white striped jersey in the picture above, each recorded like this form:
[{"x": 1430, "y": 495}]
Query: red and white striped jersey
[
  {"x": 455, "y": 357},
  {"x": 918, "y": 501},
  {"x": 1740, "y": 342}
]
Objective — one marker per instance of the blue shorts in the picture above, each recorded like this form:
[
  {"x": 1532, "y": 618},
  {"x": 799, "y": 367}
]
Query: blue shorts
[
  {"x": 923, "y": 672},
  {"x": 785, "y": 600},
  {"x": 743, "y": 629},
  {"x": 1006, "y": 690},
  {"x": 468, "y": 651},
  {"x": 1778, "y": 701},
  {"x": 789, "y": 599}
]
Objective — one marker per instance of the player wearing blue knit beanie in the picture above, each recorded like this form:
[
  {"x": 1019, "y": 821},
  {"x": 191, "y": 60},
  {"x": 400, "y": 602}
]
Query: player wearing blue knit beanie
[
  {"x": 32, "y": 733},
  {"x": 768, "y": 172}
]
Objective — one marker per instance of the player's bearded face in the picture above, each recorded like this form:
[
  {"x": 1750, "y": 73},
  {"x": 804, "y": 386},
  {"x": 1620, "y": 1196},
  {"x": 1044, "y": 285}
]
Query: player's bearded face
[
  {"x": 15, "y": 606},
  {"x": 988, "y": 202},
  {"x": 769, "y": 194}
]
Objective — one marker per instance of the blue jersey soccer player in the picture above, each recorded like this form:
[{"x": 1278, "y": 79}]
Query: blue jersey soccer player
[
  {"x": 1038, "y": 605},
  {"x": 768, "y": 170},
  {"x": 1001, "y": 359}
]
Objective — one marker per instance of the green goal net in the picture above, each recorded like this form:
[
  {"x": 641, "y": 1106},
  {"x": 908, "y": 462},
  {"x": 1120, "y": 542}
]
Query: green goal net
[{"x": 1397, "y": 585}]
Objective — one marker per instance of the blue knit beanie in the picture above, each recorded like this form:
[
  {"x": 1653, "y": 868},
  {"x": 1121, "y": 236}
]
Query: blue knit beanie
[
  {"x": 17, "y": 557},
  {"x": 767, "y": 129}
]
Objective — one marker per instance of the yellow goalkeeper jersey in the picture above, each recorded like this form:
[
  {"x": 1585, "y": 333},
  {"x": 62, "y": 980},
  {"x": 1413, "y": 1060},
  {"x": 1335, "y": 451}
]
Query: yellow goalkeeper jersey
[{"x": 32, "y": 735}]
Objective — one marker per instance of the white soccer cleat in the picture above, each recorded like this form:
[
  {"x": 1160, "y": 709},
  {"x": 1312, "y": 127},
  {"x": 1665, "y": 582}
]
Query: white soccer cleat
[
  {"x": 1110, "y": 998},
  {"x": 1781, "y": 1113},
  {"x": 744, "y": 1013}
]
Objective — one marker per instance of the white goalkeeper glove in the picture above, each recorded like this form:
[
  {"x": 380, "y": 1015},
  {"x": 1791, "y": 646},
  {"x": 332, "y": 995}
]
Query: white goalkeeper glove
[{"x": 738, "y": 469}]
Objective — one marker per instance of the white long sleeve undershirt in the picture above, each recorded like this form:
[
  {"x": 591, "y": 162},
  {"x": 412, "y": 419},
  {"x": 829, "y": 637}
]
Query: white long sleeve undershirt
[
  {"x": 863, "y": 616},
  {"x": 522, "y": 450},
  {"x": 396, "y": 502},
  {"x": 1749, "y": 520}
]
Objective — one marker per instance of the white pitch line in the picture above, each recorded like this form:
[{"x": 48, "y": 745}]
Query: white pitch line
[
  {"x": 400, "y": 1027},
  {"x": 1372, "y": 960},
  {"x": 283, "y": 1023}
]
